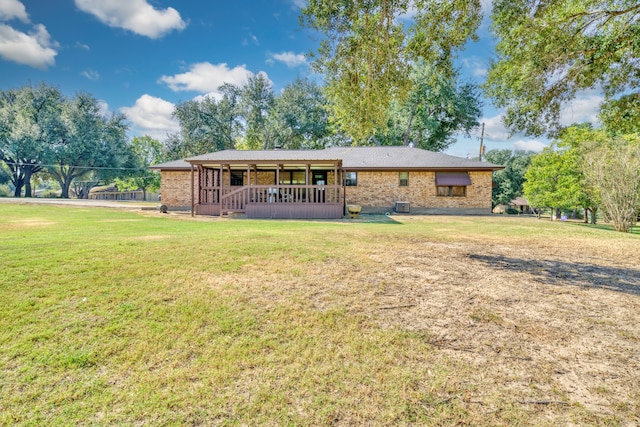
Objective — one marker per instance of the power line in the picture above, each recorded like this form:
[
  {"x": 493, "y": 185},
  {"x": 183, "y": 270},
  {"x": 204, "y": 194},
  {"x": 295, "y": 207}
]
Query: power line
[{"x": 74, "y": 166}]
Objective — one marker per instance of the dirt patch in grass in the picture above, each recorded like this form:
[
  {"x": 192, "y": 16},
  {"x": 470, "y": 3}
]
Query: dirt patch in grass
[
  {"x": 31, "y": 222},
  {"x": 537, "y": 326},
  {"x": 545, "y": 326}
]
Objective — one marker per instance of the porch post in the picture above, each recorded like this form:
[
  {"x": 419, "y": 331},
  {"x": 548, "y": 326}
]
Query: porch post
[
  {"x": 276, "y": 196},
  {"x": 306, "y": 181},
  {"x": 335, "y": 183},
  {"x": 192, "y": 191},
  {"x": 221, "y": 188},
  {"x": 248, "y": 194}
]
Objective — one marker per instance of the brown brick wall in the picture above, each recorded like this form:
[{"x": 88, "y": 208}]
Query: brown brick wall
[
  {"x": 175, "y": 189},
  {"x": 376, "y": 191},
  {"x": 382, "y": 189}
]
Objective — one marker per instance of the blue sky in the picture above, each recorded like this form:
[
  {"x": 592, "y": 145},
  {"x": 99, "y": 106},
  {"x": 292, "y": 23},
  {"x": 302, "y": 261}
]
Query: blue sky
[{"x": 141, "y": 57}]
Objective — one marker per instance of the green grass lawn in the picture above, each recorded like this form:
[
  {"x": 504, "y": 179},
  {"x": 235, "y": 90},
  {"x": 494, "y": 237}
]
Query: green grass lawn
[{"x": 113, "y": 317}]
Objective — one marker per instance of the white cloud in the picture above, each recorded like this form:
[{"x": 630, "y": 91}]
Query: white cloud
[
  {"x": 152, "y": 116},
  {"x": 90, "y": 74},
  {"x": 35, "y": 49},
  {"x": 291, "y": 59},
  {"x": 251, "y": 39},
  {"x": 487, "y": 7},
  {"x": 205, "y": 77},
  {"x": 103, "y": 108},
  {"x": 529, "y": 145},
  {"x": 137, "y": 16},
  {"x": 584, "y": 108},
  {"x": 299, "y": 3},
  {"x": 13, "y": 9},
  {"x": 82, "y": 46},
  {"x": 494, "y": 129},
  {"x": 475, "y": 66}
]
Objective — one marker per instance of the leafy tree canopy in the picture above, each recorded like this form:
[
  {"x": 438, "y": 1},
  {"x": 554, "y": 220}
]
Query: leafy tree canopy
[
  {"x": 509, "y": 181},
  {"x": 437, "y": 108},
  {"x": 367, "y": 52},
  {"x": 89, "y": 143},
  {"x": 299, "y": 116},
  {"x": 30, "y": 123},
  {"x": 549, "y": 50},
  {"x": 146, "y": 152}
]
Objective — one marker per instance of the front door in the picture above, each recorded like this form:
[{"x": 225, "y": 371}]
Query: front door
[{"x": 319, "y": 178}]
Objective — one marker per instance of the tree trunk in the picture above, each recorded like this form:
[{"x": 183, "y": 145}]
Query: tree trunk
[
  {"x": 27, "y": 182},
  {"x": 64, "y": 186},
  {"x": 408, "y": 131},
  {"x": 593, "y": 215},
  {"x": 18, "y": 182}
]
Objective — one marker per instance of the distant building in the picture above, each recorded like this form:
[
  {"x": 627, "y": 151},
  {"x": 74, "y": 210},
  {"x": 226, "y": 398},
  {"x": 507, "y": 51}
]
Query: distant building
[{"x": 111, "y": 192}]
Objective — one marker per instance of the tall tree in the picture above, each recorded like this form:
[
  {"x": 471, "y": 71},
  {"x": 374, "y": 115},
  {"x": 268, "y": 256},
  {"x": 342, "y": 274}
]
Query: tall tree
[
  {"x": 147, "y": 151},
  {"x": 614, "y": 171},
  {"x": 299, "y": 117},
  {"x": 90, "y": 142},
  {"x": 553, "y": 180},
  {"x": 549, "y": 50},
  {"x": 256, "y": 101},
  {"x": 509, "y": 181},
  {"x": 30, "y": 120},
  {"x": 437, "y": 108},
  {"x": 367, "y": 50},
  {"x": 206, "y": 124}
]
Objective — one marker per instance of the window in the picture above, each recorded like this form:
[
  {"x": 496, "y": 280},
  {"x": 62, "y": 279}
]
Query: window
[
  {"x": 404, "y": 179},
  {"x": 452, "y": 191},
  {"x": 237, "y": 177},
  {"x": 351, "y": 179},
  {"x": 292, "y": 177}
]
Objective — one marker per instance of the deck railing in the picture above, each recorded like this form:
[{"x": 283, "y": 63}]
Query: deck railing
[{"x": 236, "y": 198}]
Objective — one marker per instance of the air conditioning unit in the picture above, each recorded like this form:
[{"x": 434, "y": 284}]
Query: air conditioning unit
[{"x": 402, "y": 207}]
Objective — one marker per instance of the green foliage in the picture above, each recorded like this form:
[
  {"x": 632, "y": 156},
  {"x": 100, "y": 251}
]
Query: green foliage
[
  {"x": 589, "y": 168},
  {"x": 367, "y": 51},
  {"x": 30, "y": 125},
  {"x": 554, "y": 179},
  {"x": 256, "y": 101},
  {"x": 252, "y": 117},
  {"x": 205, "y": 125},
  {"x": 621, "y": 116},
  {"x": 437, "y": 108},
  {"x": 509, "y": 181},
  {"x": 548, "y": 51},
  {"x": 39, "y": 126},
  {"x": 146, "y": 151},
  {"x": 613, "y": 168},
  {"x": 88, "y": 143},
  {"x": 299, "y": 116}
]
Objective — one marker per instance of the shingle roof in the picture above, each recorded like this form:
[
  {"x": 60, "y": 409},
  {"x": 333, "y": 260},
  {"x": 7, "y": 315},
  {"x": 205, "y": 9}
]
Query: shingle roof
[
  {"x": 263, "y": 155},
  {"x": 392, "y": 157},
  {"x": 403, "y": 157},
  {"x": 176, "y": 164}
]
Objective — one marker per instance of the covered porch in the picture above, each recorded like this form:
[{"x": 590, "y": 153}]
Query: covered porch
[{"x": 273, "y": 189}]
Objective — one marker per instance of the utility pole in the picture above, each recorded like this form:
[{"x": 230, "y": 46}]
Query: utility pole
[{"x": 481, "y": 143}]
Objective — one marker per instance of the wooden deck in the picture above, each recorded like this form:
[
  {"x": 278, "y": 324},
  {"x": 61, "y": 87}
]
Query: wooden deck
[{"x": 272, "y": 201}]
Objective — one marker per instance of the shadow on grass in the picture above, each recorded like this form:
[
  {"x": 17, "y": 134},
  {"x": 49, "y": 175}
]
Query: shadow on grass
[
  {"x": 607, "y": 227},
  {"x": 562, "y": 273}
]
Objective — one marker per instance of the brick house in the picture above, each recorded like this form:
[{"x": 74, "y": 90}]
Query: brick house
[{"x": 321, "y": 183}]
